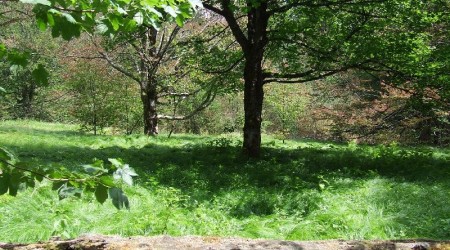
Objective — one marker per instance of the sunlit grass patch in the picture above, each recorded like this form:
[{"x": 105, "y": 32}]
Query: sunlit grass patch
[{"x": 196, "y": 185}]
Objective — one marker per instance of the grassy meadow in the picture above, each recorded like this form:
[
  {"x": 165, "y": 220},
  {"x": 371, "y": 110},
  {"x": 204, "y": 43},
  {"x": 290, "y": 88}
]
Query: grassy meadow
[{"x": 202, "y": 185}]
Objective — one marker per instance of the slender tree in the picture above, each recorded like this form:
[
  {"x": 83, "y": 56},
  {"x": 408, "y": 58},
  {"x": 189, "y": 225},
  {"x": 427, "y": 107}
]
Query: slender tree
[{"x": 149, "y": 58}]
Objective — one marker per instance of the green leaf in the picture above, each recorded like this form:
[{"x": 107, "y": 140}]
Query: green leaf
[
  {"x": 119, "y": 199},
  {"x": 58, "y": 184},
  {"x": 4, "y": 183},
  {"x": 66, "y": 192},
  {"x": 153, "y": 10},
  {"x": 115, "y": 162},
  {"x": 69, "y": 18},
  {"x": 125, "y": 173},
  {"x": 50, "y": 19},
  {"x": 101, "y": 193},
  {"x": 115, "y": 23},
  {"x": 14, "y": 183},
  {"x": 139, "y": 18},
  {"x": 42, "y": 25},
  {"x": 94, "y": 170},
  {"x": 179, "y": 20},
  {"x": 40, "y": 75},
  {"x": 101, "y": 28},
  {"x": 3, "y": 51},
  {"x": 17, "y": 58},
  {"x": 170, "y": 10},
  {"x": 107, "y": 181},
  {"x": 6, "y": 155}
]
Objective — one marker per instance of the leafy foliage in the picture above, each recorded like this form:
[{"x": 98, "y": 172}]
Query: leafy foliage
[
  {"x": 15, "y": 175},
  {"x": 68, "y": 18}
]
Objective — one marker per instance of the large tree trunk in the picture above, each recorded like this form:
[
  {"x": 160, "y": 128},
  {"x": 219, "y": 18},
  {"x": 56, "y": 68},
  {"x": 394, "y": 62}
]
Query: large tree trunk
[
  {"x": 254, "y": 79},
  {"x": 253, "y": 101}
]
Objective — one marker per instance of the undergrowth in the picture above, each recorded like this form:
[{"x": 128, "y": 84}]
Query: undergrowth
[{"x": 203, "y": 185}]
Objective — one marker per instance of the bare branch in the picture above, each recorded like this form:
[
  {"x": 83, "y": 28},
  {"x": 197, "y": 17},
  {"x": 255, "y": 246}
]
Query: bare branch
[
  {"x": 223, "y": 71},
  {"x": 115, "y": 65},
  {"x": 211, "y": 95},
  {"x": 227, "y": 13}
]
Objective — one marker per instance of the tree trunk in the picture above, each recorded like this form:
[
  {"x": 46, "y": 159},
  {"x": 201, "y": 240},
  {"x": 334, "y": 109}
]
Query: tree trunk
[
  {"x": 148, "y": 83},
  {"x": 149, "y": 98},
  {"x": 26, "y": 101},
  {"x": 253, "y": 101},
  {"x": 254, "y": 79}
]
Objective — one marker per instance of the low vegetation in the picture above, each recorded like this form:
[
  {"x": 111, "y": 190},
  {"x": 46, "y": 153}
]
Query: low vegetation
[{"x": 196, "y": 185}]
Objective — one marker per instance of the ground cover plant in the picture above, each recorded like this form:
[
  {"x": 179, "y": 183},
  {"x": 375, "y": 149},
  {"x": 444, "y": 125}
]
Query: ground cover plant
[{"x": 197, "y": 185}]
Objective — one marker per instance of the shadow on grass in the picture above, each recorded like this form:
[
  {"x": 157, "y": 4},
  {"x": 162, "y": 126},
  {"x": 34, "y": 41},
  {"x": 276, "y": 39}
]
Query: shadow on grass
[{"x": 286, "y": 179}]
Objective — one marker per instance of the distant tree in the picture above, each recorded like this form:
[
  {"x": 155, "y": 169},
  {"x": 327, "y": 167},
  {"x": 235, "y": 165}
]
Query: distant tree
[
  {"x": 23, "y": 76},
  {"x": 149, "y": 57}
]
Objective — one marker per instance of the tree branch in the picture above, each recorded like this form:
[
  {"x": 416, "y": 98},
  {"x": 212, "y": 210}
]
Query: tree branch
[
  {"x": 39, "y": 174},
  {"x": 227, "y": 13},
  {"x": 318, "y": 4},
  {"x": 211, "y": 95},
  {"x": 223, "y": 71}
]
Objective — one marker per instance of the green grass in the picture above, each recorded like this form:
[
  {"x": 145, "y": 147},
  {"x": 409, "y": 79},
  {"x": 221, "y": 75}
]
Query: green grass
[{"x": 194, "y": 185}]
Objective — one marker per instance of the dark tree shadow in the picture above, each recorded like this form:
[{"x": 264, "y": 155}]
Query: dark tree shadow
[{"x": 204, "y": 171}]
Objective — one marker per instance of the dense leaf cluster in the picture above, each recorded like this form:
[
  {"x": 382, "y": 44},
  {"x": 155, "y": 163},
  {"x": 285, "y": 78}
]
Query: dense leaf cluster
[{"x": 101, "y": 179}]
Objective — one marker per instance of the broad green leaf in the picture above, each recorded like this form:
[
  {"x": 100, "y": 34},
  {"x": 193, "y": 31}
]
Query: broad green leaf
[
  {"x": 107, "y": 181},
  {"x": 115, "y": 22},
  {"x": 153, "y": 10},
  {"x": 3, "y": 51},
  {"x": 66, "y": 192},
  {"x": 40, "y": 75},
  {"x": 5, "y": 155},
  {"x": 50, "y": 19},
  {"x": 101, "y": 193},
  {"x": 115, "y": 162},
  {"x": 58, "y": 184},
  {"x": 101, "y": 28},
  {"x": 69, "y": 18},
  {"x": 14, "y": 183},
  {"x": 179, "y": 20},
  {"x": 42, "y": 25},
  {"x": 139, "y": 18},
  {"x": 121, "y": 11},
  {"x": 125, "y": 174},
  {"x": 4, "y": 183},
  {"x": 17, "y": 58},
  {"x": 170, "y": 10},
  {"x": 94, "y": 170},
  {"x": 119, "y": 199}
]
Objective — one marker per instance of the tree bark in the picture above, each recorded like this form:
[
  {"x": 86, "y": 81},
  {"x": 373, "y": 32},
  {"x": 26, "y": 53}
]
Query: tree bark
[
  {"x": 149, "y": 84},
  {"x": 254, "y": 79},
  {"x": 253, "y": 101},
  {"x": 149, "y": 98}
]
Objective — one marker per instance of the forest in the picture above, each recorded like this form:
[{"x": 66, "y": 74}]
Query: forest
[{"x": 286, "y": 120}]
